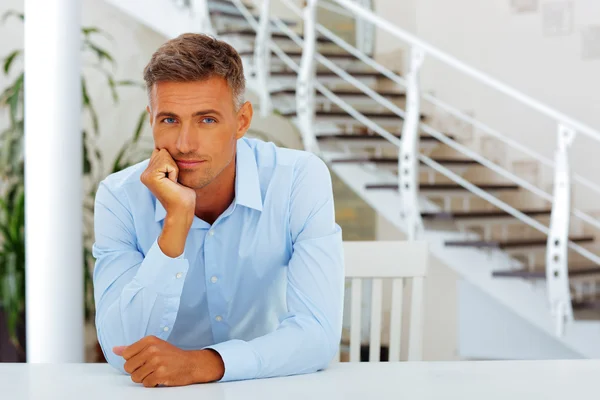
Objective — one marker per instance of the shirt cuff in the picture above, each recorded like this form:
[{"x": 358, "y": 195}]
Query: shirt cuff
[
  {"x": 239, "y": 359},
  {"x": 162, "y": 273}
]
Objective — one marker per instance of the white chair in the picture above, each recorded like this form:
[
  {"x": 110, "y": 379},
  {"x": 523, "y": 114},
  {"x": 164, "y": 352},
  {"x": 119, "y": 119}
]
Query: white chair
[{"x": 379, "y": 260}]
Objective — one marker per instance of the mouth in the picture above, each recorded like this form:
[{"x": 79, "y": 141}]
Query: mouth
[{"x": 186, "y": 164}]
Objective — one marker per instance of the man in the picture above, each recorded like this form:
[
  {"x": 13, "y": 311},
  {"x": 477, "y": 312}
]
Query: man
[{"x": 218, "y": 258}]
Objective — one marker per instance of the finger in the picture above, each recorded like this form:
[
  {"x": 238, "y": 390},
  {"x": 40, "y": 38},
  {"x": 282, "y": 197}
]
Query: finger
[
  {"x": 136, "y": 362},
  {"x": 118, "y": 350},
  {"x": 142, "y": 372},
  {"x": 139, "y": 346},
  {"x": 169, "y": 167},
  {"x": 151, "y": 380}
]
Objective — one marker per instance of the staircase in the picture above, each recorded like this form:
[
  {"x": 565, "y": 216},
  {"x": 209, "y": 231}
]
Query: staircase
[{"x": 369, "y": 126}]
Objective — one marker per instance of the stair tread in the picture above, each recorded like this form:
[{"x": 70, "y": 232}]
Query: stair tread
[
  {"x": 238, "y": 15},
  {"x": 298, "y": 53},
  {"x": 394, "y": 160},
  {"x": 506, "y": 244},
  {"x": 540, "y": 273},
  {"x": 230, "y": 3},
  {"x": 274, "y": 35},
  {"x": 362, "y": 74},
  {"x": 346, "y": 92},
  {"x": 445, "y": 186},
  {"x": 367, "y": 136},
  {"x": 342, "y": 113},
  {"x": 481, "y": 214}
]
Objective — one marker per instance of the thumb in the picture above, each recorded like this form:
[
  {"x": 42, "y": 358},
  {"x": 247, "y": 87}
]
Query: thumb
[{"x": 118, "y": 350}]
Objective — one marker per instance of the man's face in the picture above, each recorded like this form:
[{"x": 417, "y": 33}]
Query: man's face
[{"x": 197, "y": 123}]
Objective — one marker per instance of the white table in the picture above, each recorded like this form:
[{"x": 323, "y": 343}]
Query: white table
[{"x": 467, "y": 380}]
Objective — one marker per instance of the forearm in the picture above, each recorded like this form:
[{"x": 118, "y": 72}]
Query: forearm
[
  {"x": 301, "y": 345},
  {"x": 142, "y": 301}
]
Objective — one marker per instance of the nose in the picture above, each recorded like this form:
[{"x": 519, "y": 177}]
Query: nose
[{"x": 185, "y": 140}]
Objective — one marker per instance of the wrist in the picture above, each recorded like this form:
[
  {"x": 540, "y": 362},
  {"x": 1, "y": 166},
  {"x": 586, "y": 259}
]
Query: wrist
[
  {"x": 174, "y": 234},
  {"x": 209, "y": 366}
]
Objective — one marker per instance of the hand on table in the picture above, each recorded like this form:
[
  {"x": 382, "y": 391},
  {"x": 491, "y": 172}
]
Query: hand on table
[{"x": 152, "y": 362}]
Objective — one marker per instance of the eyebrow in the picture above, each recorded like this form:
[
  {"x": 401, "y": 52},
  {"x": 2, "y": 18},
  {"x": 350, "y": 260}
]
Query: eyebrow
[{"x": 167, "y": 114}]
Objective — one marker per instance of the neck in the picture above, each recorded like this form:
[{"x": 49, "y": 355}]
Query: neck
[{"x": 213, "y": 199}]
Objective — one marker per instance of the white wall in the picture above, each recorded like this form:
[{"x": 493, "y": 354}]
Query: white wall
[{"x": 512, "y": 48}]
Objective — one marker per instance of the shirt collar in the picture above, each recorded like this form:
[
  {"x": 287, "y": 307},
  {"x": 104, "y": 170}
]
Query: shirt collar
[{"x": 247, "y": 184}]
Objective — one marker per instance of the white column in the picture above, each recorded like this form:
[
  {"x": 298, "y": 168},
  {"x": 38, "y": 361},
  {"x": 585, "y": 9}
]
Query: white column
[{"x": 53, "y": 181}]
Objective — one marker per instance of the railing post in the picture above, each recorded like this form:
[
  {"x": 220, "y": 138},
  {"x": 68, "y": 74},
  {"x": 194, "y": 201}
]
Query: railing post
[
  {"x": 262, "y": 58},
  {"x": 557, "y": 266},
  {"x": 305, "y": 89},
  {"x": 365, "y": 30},
  {"x": 408, "y": 163},
  {"x": 201, "y": 13}
]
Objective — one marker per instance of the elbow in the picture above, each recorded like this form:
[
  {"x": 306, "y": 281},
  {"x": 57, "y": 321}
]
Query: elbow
[
  {"x": 329, "y": 347},
  {"x": 117, "y": 362}
]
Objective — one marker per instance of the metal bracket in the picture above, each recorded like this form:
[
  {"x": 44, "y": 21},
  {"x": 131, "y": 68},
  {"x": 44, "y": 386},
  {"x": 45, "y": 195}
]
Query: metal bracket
[
  {"x": 408, "y": 163},
  {"x": 557, "y": 264}
]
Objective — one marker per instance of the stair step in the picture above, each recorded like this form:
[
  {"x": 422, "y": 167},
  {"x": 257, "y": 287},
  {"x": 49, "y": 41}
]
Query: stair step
[
  {"x": 230, "y": 3},
  {"x": 298, "y": 53},
  {"x": 394, "y": 161},
  {"x": 323, "y": 74},
  {"x": 510, "y": 244},
  {"x": 443, "y": 187},
  {"x": 540, "y": 273},
  {"x": 237, "y": 14},
  {"x": 367, "y": 137},
  {"x": 445, "y": 216},
  {"x": 344, "y": 114},
  {"x": 346, "y": 93},
  {"x": 274, "y": 35}
]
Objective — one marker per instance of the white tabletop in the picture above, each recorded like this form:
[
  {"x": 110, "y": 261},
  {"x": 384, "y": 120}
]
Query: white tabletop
[{"x": 466, "y": 380}]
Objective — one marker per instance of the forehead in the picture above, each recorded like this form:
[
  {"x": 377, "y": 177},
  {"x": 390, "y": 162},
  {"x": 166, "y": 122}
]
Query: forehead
[{"x": 213, "y": 91}]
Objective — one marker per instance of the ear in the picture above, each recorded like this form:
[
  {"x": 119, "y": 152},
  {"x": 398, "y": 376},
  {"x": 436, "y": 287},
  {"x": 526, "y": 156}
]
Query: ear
[
  {"x": 149, "y": 115},
  {"x": 244, "y": 118}
]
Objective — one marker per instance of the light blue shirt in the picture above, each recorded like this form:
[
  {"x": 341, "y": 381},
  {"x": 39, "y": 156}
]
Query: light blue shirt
[{"x": 262, "y": 286}]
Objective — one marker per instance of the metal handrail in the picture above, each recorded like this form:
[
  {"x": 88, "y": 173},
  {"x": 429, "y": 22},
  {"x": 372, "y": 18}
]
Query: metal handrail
[
  {"x": 426, "y": 128},
  {"x": 438, "y": 102},
  {"x": 364, "y": 13}
]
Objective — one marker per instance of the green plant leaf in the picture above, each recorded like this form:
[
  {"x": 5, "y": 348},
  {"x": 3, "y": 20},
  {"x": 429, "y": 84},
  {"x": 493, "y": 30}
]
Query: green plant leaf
[
  {"x": 131, "y": 83},
  {"x": 118, "y": 163},
  {"x": 87, "y": 104},
  {"x": 101, "y": 53},
  {"x": 91, "y": 30},
  {"x": 113, "y": 87},
  {"x": 13, "y": 13},
  {"x": 14, "y": 99},
  {"x": 87, "y": 165},
  {"x": 10, "y": 59}
]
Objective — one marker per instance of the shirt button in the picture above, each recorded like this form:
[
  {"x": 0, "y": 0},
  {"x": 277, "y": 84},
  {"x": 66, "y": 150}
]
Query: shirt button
[
  {"x": 211, "y": 233},
  {"x": 179, "y": 275},
  {"x": 214, "y": 279},
  {"x": 218, "y": 318},
  {"x": 166, "y": 329}
]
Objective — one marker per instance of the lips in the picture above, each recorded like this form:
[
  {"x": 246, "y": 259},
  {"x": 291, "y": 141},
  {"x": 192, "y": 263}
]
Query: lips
[{"x": 188, "y": 163}]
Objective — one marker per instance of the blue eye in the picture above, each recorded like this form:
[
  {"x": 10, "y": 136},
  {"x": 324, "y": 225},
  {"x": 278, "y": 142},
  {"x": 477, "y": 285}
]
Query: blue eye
[
  {"x": 169, "y": 120},
  {"x": 209, "y": 120}
]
